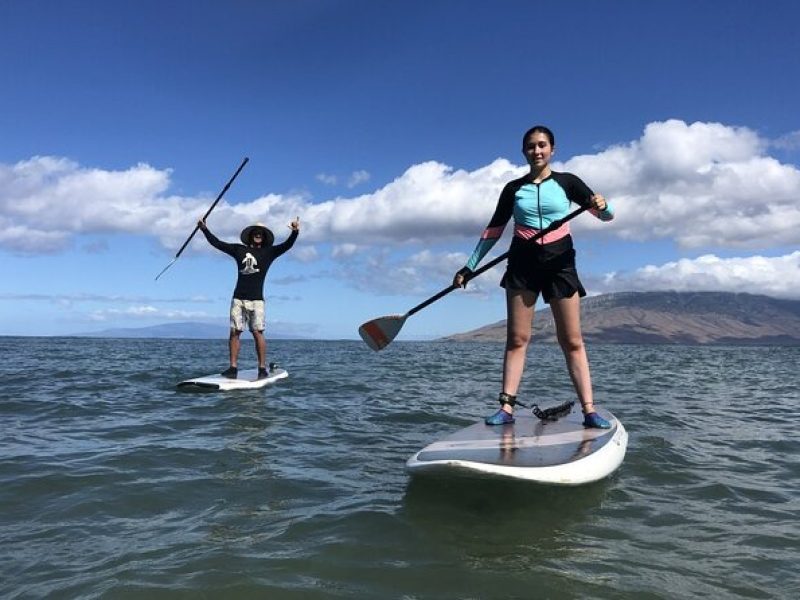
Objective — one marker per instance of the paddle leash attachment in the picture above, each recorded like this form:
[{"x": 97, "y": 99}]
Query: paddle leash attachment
[
  {"x": 554, "y": 412},
  {"x": 205, "y": 216},
  {"x": 379, "y": 333}
]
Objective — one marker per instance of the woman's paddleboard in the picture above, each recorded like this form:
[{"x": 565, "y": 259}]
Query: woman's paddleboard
[
  {"x": 558, "y": 452},
  {"x": 247, "y": 380}
]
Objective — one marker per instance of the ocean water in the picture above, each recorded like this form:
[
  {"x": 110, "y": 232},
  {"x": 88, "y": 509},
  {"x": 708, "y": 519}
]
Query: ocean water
[{"x": 113, "y": 484}]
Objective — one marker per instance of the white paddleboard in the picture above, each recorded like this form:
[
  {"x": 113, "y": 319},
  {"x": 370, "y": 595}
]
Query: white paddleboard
[
  {"x": 247, "y": 380},
  {"x": 561, "y": 452}
]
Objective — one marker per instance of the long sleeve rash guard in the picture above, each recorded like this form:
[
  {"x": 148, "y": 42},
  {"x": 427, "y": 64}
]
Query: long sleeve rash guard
[
  {"x": 251, "y": 262},
  {"x": 534, "y": 207}
]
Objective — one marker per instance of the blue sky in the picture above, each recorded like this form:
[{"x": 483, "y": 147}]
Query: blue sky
[{"x": 389, "y": 128}]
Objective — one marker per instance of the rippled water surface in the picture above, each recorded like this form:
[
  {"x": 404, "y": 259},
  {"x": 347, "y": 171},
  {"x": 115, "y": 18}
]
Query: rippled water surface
[{"x": 115, "y": 485}]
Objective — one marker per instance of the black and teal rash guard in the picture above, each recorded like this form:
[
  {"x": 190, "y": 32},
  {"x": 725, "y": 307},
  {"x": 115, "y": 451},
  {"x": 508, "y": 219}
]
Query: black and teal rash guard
[
  {"x": 534, "y": 207},
  {"x": 252, "y": 263}
]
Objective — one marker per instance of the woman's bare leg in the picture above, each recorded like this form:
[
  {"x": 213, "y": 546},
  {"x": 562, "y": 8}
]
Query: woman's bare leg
[
  {"x": 519, "y": 323},
  {"x": 567, "y": 315}
]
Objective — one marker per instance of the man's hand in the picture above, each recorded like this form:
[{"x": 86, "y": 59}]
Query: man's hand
[{"x": 295, "y": 225}]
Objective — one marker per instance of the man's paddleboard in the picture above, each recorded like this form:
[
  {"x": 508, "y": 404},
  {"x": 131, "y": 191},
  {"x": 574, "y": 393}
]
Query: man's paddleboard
[
  {"x": 560, "y": 452},
  {"x": 247, "y": 380}
]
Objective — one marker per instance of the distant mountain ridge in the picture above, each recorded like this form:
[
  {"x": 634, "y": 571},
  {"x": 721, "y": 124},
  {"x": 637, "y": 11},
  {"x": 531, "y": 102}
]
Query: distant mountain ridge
[
  {"x": 724, "y": 318},
  {"x": 183, "y": 330}
]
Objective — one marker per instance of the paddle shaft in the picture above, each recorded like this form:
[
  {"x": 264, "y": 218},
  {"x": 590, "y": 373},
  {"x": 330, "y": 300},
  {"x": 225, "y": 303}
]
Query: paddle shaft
[
  {"x": 205, "y": 216},
  {"x": 208, "y": 212},
  {"x": 552, "y": 227}
]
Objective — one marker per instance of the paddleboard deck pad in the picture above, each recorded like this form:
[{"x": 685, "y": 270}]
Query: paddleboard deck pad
[
  {"x": 559, "y": 452},
  {"x": 247, "y": 380}
]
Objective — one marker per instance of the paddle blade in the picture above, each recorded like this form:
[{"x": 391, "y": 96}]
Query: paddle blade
[{"x": 379, "y": 332}]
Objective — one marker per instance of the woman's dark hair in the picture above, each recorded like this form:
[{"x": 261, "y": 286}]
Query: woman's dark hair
[{"x": 539, "y": 129}]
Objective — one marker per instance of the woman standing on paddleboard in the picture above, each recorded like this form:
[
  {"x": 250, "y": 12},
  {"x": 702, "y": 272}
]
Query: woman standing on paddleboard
[{"x": 545, "y": 266}]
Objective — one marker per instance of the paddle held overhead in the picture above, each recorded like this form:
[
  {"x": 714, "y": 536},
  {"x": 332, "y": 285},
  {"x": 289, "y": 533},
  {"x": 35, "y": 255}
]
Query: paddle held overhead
[{"x": 205, "y": 216}]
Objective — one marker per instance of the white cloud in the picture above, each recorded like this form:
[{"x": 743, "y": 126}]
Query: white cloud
[
  {"x": 327, "y": 179},
  {"x": 772, "y": 276},
  {"x": 354, "y": 179},
  {"x": 33, "y": 241},
  {"x": 790, "y": 141},
  {"x": 429, "y": 202},
  {"x": 703, "y": 185},
  {"x": 147, "y": 312},
  {"x": 357, "y": 178},
  {"x": 46, "y": 201},
  {"x": 344, "y": 250},
  {"x": 438, "y": 269},
  {"x": 105, "y": 298},
  {"x": 422, "y": 273},
  {"x": 304, "y": 253},
  {"x": 96, "y": 247}
]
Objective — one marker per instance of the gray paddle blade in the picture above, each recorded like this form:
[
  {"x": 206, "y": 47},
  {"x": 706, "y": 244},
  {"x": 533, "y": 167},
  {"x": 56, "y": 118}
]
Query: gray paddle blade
[{"x": 379, "y": 333}]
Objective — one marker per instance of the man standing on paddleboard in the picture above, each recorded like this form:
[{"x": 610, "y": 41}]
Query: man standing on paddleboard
[
  {"x": 545, "y": 266},
  {"x": 253, "y": 258}
]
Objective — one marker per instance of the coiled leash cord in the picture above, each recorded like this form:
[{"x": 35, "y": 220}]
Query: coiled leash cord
[{"x": 548, "y": 414}]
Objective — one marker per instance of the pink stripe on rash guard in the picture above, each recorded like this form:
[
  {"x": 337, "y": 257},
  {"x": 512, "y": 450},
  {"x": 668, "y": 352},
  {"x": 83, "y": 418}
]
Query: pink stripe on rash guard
[
  {"x": 492, "y": 233},
  {"x": 526, "y": 233}
]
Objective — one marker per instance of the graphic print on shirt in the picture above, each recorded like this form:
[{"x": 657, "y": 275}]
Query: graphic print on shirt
[
  {"x": 249, "y": 265},
  {"x": 252, "y": 263}
]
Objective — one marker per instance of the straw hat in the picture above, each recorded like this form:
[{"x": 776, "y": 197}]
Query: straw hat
[{"x": 247, "y": 231}]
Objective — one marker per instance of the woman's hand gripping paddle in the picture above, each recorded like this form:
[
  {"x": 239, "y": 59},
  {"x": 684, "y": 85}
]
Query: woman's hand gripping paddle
[{"x": 379, "y": 333}]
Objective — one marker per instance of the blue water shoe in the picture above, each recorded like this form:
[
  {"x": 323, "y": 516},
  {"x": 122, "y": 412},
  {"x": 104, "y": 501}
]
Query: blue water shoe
[
  {"x": 501, "y": 417},
  {"x": 230, "y": 373},
  {"x": 595, "y": 421}
]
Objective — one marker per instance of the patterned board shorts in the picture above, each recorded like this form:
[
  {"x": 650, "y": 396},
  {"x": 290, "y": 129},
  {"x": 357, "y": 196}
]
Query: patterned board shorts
[{"x": 247, "y": 312}]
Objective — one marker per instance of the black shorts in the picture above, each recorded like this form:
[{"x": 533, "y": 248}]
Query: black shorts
[{"x": 548, "y": 269}]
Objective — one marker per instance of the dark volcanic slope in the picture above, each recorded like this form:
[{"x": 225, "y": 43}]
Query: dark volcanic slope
[{"x": 671, "y": 318}]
